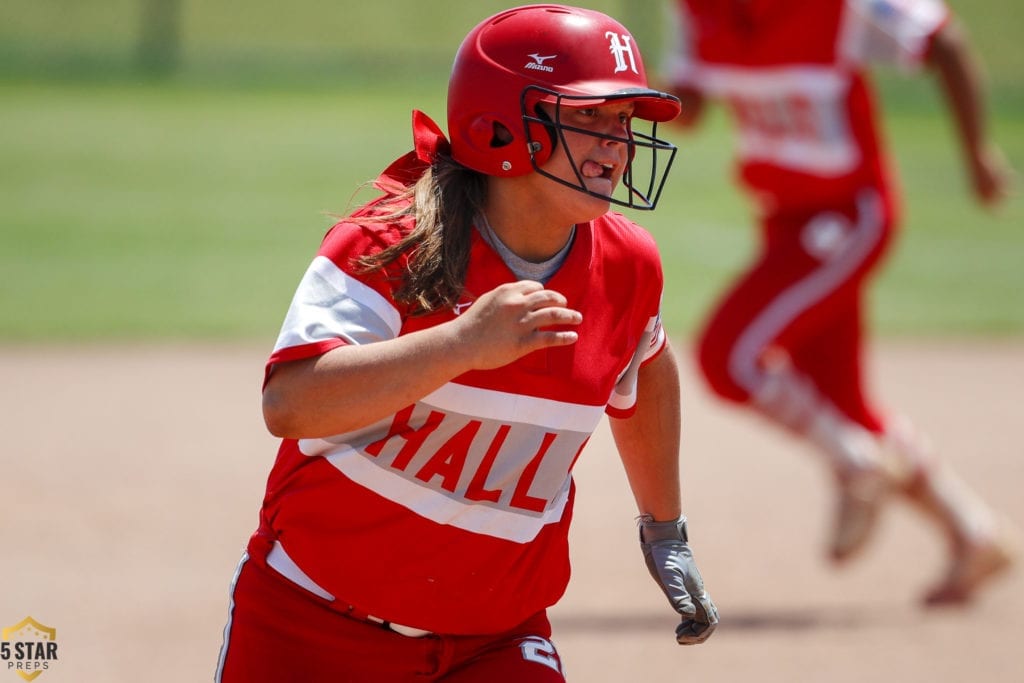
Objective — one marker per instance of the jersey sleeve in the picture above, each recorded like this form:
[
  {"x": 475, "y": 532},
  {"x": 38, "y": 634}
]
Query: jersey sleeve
[
  {"x": 333, "y": 305},
  {"x": 891, "y": 32},
  {"x": 652, "y": 342},
  {"x": 646, "y": 297}
]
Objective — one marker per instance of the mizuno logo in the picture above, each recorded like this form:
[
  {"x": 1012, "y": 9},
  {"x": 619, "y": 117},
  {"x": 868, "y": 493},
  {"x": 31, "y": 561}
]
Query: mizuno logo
[{"x": 538, "y": 62}]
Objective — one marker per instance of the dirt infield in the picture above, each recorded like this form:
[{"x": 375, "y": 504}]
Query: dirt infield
[{"x": 131, "y": 478}]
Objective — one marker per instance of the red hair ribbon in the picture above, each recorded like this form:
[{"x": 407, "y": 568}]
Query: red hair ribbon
[{"x": 429, "y": 141}]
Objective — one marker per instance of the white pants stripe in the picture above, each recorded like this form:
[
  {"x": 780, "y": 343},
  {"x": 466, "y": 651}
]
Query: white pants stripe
[{"x": 227, "y": 627}]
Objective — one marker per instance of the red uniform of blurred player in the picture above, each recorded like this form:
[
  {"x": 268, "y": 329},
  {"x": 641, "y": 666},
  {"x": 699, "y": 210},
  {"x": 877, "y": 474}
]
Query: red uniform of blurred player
[{"x": 786, "y": 339}]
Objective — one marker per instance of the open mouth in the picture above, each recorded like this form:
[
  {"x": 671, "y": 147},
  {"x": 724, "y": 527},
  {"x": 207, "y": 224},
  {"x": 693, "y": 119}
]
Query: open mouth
[{"x": 595, "y": 169}]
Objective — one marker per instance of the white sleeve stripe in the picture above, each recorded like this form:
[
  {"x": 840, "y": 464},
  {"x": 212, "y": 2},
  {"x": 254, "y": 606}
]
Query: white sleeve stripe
[
  {"x": 651, "y": 342},
  {"x": 331, "y": 304},
  {"x": 891, "y": 32},
  {"x": 347, "y": 285},
  {"x": 657, "y": 339}
]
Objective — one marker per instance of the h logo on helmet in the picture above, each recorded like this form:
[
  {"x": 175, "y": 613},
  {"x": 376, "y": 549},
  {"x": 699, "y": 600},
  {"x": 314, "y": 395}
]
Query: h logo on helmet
[{"x": 621, "y": 47}]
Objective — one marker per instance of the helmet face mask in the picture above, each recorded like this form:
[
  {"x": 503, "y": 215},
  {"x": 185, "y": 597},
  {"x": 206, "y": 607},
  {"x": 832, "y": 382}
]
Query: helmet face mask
[
  {"x": 567, "y": 57},
  {"x": 632, "y": 191}
]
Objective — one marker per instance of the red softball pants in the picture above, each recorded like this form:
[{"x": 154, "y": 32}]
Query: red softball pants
[
  {"x": 803, "y": 294},
  {"x": 278, "y": 631}
]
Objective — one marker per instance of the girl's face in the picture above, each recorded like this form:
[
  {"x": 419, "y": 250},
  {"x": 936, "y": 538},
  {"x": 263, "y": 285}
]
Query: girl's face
[{"x": 600, "y": 162}]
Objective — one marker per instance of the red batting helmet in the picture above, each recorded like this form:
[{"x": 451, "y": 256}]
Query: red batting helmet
[{"x": 566, "y": 56}]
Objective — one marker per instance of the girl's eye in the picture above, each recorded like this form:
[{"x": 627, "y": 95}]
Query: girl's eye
[{"x": 587, "y": 115}]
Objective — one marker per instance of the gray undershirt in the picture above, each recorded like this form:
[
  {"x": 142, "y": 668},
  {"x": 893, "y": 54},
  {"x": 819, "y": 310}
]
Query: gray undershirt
[{"x": 520, "y": 267}]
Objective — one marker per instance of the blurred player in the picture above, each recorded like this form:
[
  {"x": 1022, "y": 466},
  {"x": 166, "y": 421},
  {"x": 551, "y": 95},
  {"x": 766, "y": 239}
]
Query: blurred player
[
  {"x": 444, "y": 361},
  {"x": 787, "y": 339}
]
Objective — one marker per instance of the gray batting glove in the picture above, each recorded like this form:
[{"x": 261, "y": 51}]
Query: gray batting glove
[{"x": 670, "y": 562}]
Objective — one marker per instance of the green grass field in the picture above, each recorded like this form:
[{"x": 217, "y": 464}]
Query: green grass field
[{"x": 188, "y": 208}]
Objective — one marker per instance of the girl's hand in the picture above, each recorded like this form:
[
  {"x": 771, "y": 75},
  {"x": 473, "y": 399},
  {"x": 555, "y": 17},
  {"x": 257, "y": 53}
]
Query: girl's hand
[{"x": 511, "y": 321}]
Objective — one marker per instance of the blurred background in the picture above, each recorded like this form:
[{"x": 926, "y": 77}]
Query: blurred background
[
  {"x": 169, "y": 166},
  {"x": 167, "y": 171}
]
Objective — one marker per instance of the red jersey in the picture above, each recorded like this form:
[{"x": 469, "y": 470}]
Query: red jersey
[
  {"x": 452, "y": 515},
  {"x": 792, "y": 74}
]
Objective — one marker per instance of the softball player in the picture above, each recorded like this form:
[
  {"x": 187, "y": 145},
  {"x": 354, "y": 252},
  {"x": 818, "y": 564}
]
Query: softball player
[
  {"x": 444, "y": 361},
  {"x": 787, "y": 338}
]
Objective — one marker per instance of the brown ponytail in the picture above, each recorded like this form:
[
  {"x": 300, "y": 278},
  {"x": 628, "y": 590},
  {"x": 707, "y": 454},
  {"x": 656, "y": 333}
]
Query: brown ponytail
[{"x": 444, "y": 203}]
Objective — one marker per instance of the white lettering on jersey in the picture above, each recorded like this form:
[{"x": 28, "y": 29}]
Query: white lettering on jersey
[
  {"x": 793, "y": 117},
  {"x": 481, "y": 460}
]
